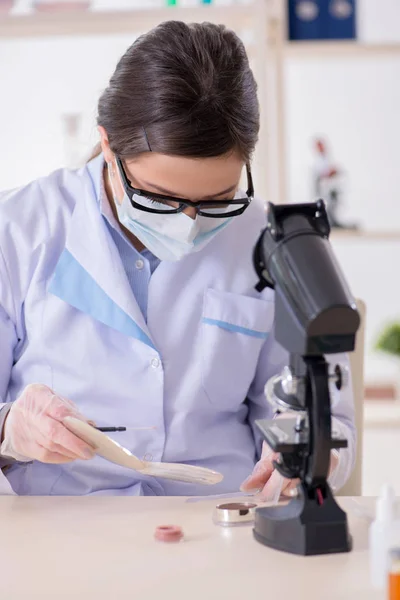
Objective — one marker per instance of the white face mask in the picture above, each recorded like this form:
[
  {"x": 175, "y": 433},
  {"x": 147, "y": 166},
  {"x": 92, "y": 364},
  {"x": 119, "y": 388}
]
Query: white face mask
[{"x": 169, "y": 237}]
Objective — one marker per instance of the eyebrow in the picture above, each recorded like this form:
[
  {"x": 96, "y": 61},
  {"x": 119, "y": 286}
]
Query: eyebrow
[{"x": 169, "y": 193}]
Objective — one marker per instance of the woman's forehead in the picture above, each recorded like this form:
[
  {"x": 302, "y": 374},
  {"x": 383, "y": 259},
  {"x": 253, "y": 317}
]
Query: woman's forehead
[{"x": 182, "y": 176}]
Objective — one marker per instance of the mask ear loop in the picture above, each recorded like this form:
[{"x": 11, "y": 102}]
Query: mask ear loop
[
  {"x": 111, "y": 173},
  {"x": 111, "y": 170}
]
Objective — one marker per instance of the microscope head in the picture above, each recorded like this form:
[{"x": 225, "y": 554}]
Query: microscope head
[{"x": 315, "y": 312}]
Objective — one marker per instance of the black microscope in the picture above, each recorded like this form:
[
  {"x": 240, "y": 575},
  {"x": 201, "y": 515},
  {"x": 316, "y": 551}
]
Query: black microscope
[{"x": 315, "y": 315}]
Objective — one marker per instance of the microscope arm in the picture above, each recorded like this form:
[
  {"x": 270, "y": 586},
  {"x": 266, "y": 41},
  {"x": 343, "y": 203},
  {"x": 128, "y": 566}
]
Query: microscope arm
[{"x": 315, "y": 315}]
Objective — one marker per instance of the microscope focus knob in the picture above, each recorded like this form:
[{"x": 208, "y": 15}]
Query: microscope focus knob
[{"x": 340, "y": 376}]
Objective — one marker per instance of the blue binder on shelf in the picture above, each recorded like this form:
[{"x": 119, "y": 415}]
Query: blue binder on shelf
[
  {"x": 305, "y": 20},
  {"x": 340, "y": 19},
  {"x": 322, "y": 19}
]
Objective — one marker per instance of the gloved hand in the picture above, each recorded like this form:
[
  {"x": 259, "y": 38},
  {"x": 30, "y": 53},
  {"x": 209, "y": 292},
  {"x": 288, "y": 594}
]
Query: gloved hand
[
  {"x": 34, "y": 431},
  {"x": 267, "y": 481}
]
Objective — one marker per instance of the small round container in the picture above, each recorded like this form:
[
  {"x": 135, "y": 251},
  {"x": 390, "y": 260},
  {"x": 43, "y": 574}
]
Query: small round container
[
  {"x": 168, "y": 533},
  {"x": 233, "y": 514}
]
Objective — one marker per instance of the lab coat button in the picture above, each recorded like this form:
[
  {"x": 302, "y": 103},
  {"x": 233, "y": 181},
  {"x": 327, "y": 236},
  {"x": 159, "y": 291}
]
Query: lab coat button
[
  {"x": 139, "y": 264},
  {"x": 155, "y": 363}
]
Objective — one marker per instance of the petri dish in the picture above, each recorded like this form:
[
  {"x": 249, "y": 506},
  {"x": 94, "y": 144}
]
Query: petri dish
[{"x": 232, "y": 514}]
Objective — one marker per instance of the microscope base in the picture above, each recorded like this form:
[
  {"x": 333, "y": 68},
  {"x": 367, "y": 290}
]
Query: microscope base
[{"x": 303, "y": 527}]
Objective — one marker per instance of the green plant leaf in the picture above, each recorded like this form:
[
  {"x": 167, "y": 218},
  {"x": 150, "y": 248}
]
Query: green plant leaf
[{"x": 389, "y": 340}]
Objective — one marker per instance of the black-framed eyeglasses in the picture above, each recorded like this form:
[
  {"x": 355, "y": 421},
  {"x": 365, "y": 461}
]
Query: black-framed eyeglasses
[{"x": 167, "y": 205}]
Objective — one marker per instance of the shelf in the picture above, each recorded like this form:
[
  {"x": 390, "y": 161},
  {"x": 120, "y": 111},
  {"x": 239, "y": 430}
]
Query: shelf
[
  {"x": 74, "y": 23},
  {"x": 338, "y": 234},
  {"x": 332, "y": 49}
]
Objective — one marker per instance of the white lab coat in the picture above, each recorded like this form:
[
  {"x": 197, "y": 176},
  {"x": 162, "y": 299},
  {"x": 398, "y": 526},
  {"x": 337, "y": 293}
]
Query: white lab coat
[{"x": 68, "y": 319}]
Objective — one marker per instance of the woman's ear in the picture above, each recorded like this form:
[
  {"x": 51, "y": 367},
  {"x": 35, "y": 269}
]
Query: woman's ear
[{"x": 105, "y": 146}]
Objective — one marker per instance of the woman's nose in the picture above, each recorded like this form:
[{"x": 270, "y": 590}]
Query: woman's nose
[{"x": 190, "y": 212}]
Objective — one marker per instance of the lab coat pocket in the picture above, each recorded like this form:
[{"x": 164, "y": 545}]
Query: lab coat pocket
[{"x": 234, "y": 329}]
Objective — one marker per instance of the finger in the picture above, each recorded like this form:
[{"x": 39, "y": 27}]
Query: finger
[
  {"x": 66, "y": 401},
  {"x": 273, "y": 486},
  {"x": 35, "y": 451},
  {"x": 46, "y": 456},
  {"x": 291, "y": 488},
  {"x": 266, "y": 451},
  {"x": 55, "y": 432},
  {"x": 334, "y": 462},
  {"x": 259, "y": 477},
  {"x": 52, "y": 446},
  {"x": 262, "y": 470}
]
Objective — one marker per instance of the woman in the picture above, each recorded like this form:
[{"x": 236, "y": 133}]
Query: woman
[{"x": 127, "y": 288}]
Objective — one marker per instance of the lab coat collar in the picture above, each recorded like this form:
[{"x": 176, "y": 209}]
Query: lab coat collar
[{"x": 90, "y": 274}]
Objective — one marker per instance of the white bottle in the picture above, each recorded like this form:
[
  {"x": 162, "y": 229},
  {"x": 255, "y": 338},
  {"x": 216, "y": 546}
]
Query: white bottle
[{"x": 380, "y": 537}]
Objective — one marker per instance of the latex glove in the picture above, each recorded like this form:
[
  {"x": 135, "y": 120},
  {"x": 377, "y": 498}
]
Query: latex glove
[
  {"x": 34, "y": 431},
  {"x": 269, "y": 483}
]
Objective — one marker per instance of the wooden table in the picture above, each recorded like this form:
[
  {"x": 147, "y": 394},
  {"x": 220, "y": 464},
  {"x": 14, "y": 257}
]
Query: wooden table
[{"x": 103, "y": 548}]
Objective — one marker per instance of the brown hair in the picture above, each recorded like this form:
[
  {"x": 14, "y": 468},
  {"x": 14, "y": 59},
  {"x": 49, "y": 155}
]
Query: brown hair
[{"x": 182, "y": 90}]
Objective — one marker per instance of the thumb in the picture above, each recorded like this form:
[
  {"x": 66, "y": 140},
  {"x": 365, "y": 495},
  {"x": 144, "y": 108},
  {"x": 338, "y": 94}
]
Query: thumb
[{"x": 262, "y": 470}]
